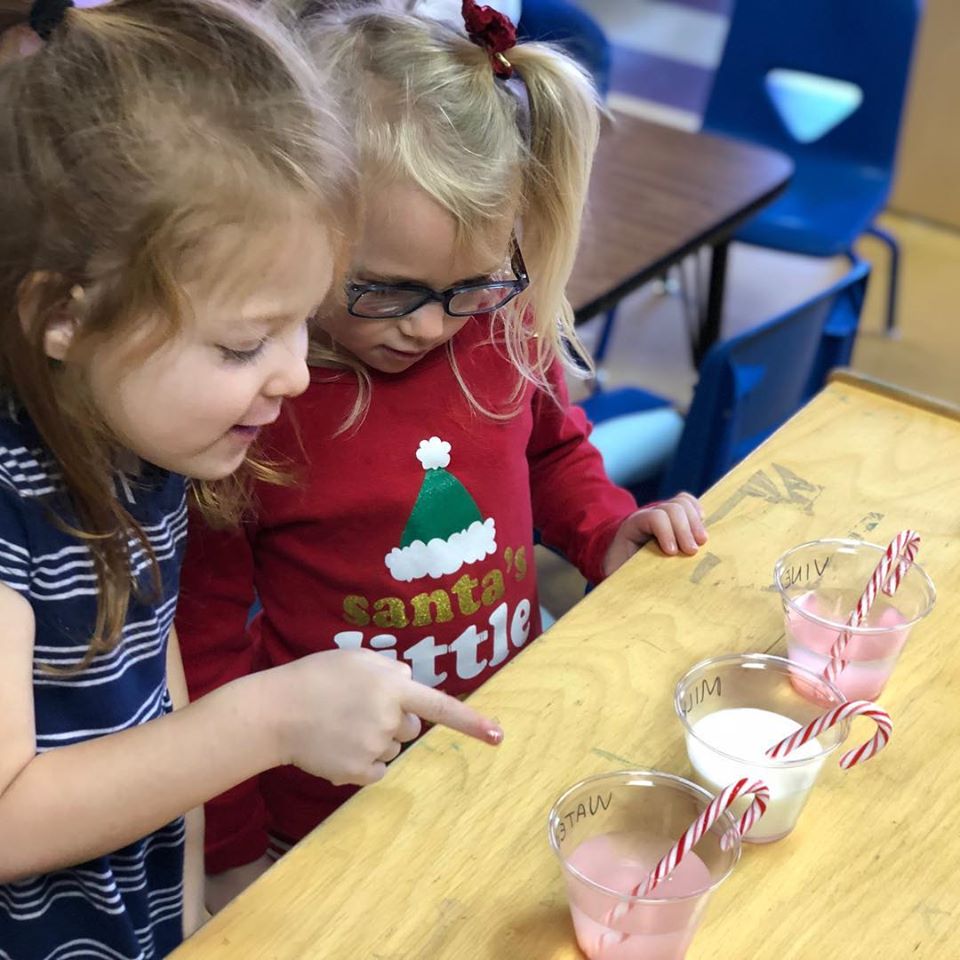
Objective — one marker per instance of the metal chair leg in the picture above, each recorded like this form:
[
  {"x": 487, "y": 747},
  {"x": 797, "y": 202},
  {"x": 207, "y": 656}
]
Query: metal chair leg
[
  {"x": 893, "y": 286},
  {"x": 604, "y": 342}
]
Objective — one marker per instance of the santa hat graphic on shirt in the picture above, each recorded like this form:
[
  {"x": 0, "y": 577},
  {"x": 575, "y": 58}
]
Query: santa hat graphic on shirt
[{"x": 446, "y": 529}]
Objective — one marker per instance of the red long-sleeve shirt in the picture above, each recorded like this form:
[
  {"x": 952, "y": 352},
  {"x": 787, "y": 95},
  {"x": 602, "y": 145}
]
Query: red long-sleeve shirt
[{"x": 392, "y": 541}]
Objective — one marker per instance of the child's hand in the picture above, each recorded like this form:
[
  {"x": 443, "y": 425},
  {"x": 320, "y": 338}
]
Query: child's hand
[
  {"x": 677, "y": 524},
  {"x": 344, "y": 714}
]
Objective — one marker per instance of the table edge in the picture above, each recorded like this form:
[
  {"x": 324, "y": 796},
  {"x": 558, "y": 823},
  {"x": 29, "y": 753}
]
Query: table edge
[{"x": 892, "y": 391}]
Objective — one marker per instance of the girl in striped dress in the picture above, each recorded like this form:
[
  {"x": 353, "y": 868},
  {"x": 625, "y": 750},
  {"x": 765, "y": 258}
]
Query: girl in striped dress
[{"x": 172, "y": 190}]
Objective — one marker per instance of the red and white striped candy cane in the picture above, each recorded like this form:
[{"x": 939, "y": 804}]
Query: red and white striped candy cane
[
  {"x": 853, "y": 708},
  {"x": 907, "y": 554},
  {"x": 742, "y": 788},
  {"x": 693, "y": 835},
  {"x": 887, "y": 576}
]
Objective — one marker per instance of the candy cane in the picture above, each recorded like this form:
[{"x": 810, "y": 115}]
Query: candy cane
[
  {"x": 853, "y": 708},
  {"x": 887, "y": 575},
  {"x": 693, "y": 835},
  {"x": 907, "y": 555}
]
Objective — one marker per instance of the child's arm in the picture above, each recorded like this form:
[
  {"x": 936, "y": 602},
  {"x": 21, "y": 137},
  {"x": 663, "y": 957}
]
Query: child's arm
[
  {"x": 576, "y": 508},
  {"x": 74, "y": 803},
  {"x": 332, "y": 714},
  {"x": 194, "y": 911}
]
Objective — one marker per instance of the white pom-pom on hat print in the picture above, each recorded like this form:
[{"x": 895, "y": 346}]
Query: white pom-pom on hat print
[{"x": 434, "y": 454}]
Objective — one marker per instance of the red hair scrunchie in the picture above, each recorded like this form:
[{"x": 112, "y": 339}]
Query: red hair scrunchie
[{"x": 493, "y": 31}]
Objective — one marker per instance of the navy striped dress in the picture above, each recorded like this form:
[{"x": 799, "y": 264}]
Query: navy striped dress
[{"x": 128, "y": 905}]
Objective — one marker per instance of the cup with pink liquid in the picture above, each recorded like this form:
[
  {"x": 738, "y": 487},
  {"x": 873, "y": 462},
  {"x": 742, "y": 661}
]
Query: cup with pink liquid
[
  {"x": 820, "y": 583},
  {"x": 609, "y": 832}
]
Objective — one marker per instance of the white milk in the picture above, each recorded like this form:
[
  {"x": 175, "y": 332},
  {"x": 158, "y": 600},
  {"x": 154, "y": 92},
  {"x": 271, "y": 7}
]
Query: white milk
[{"x": 748, "y": 733}]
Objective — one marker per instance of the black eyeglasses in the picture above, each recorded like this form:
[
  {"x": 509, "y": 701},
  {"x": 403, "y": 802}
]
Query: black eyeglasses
[{"x": 382, "y": 301}]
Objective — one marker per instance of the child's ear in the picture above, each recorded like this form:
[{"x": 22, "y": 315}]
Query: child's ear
[
  {"x": 58, "y": 337},
  {"x": 17, "y": 42},
  {"x": 61, "y": 328}
]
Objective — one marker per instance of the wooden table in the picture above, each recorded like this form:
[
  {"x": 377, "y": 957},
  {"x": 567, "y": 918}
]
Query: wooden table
[
  {"x": 448, "y": 856},
  {"x": 658, "y": 194}
]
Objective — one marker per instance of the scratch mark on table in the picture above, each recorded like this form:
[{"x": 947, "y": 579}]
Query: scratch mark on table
[
  {"x": 776, "y": 643},
  {"x": 612, "y": 756},
  {"x": 709, "y": 561},
  {"x": 650, "y": 643},
  {"x": 930, "y": 915},
  {"x": 799, "y": 490},
  {"x": 865, "y": 525},
  {"x": 793, "y": 489}
]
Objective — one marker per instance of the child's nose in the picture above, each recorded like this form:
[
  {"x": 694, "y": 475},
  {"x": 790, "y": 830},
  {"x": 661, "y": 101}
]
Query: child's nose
[
  {"x": 291, "y": 375},
  {"x": 424, "y": 324}
]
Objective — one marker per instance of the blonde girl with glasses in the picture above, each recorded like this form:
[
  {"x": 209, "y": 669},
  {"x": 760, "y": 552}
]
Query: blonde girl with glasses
[{"x": 436, "y": 435}]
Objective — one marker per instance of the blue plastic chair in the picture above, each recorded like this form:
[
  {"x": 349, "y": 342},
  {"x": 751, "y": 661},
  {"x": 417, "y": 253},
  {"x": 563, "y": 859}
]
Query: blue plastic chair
[
  {"x": 749, "y": 386},
  {"x": 842, "y": 178},
  {"x": 564, "y": 23}
]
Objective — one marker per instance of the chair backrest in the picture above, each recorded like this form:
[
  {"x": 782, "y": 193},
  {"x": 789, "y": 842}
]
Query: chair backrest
[
  {"x": 840, "y": 330},
  {"x": 751, "y": 384},
  {"x": 573, "y": 28},
  {"x": 868, "y": 43}
]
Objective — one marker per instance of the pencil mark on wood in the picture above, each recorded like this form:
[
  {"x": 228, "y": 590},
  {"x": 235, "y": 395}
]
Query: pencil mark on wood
[
  {"x": 776, "y": 643},
  {"x": 865, "y": 525},
  {"x": 931, "y": 916},
  {"x": 709, "y": 561},
  {"x": 643, "y": 640},
  {"x": 650, "y": 643},
  {"x": 612, "y": 756},
  {"x": 799, "y": 490},
  {"x": 792, "y": 489}
]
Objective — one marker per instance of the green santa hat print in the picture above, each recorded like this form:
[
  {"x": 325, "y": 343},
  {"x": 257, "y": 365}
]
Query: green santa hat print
[{"x": 445, "y": 529}]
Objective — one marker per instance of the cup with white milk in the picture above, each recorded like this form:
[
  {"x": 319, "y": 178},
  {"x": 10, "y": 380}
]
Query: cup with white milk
[{"x": 735, "y": 708}]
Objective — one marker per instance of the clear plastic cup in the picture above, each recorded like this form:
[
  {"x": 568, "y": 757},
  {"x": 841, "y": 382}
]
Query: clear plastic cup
[
  {"x": 609, "y": 832},
  {"x": 734, "y": 708},
  {"x": 820, "y": 583}
]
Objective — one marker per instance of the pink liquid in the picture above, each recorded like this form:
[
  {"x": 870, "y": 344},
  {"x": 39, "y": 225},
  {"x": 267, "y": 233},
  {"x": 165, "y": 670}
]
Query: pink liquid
[
  {"x": 872, "y": 656},
  {"x": 658, "y": 930}
]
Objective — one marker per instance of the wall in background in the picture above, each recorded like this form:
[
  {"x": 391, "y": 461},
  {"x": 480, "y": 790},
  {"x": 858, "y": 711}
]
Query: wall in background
[{"x": 928, "y": 177}]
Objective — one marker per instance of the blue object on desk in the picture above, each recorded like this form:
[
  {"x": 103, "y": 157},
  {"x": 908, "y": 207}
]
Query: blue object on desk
[
  {"x": 749, "y": 386},
  {"x": 766, "y": 91}
]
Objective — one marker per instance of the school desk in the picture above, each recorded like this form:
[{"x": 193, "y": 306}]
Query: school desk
[{"x": 447, "y": 858}]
